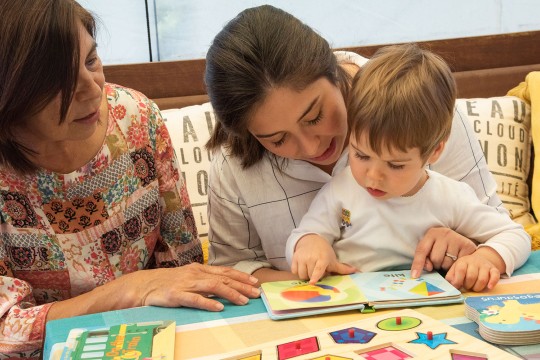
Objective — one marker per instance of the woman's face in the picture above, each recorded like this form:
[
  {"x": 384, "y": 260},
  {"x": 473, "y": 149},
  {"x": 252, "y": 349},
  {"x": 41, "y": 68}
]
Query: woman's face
[
  {"x": 309, "y": 125},
  {"x": 83, "y": 114}
]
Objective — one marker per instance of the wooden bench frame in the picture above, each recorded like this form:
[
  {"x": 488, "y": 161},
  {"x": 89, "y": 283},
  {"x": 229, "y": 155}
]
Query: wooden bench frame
[{"x": 484, "y": 66}]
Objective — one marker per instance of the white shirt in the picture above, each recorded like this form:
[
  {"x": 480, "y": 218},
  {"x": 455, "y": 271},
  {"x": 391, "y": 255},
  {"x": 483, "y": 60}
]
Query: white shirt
[
  {"x": 252, "y": 212},
  {"x": 382, "y": 234}
]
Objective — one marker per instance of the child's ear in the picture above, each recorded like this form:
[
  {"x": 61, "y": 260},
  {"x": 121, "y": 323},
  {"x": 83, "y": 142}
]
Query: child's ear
[{"x": 436, "y": 153}]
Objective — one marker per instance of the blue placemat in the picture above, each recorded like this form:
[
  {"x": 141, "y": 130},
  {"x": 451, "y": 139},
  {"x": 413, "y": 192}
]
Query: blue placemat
[{"x": 58, "y": 330}]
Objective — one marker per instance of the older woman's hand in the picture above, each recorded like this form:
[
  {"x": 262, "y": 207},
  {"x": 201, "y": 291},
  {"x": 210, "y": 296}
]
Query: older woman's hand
[
  {"x": 191, "y": 285},
  {"x": 188, "y": 286},
  {"x": 439, "y": 249}
]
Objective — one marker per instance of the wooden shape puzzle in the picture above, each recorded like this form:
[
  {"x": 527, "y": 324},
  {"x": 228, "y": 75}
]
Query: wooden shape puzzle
[
  {"x": 384, "y": 352},
  {"x": 403, "y": 334},
  {"x": 399, "y": 323},
  {"x": 352, "y": 335},
  {"x": 466, "y": 355},
  {"x": 432, "y": 340},
  {"x": 297, "y": 348}
]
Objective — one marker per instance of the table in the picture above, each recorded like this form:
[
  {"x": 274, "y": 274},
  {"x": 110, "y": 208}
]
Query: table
[{"x": 242, "y": 326}]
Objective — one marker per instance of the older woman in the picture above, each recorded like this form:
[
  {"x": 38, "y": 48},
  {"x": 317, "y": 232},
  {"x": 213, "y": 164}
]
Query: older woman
[{"x": 91, "y": 200}]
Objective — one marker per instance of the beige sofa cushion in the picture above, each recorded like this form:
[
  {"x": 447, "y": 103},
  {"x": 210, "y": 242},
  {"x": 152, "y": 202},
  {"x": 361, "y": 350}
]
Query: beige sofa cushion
[
  {"x": 190, "y": 128},
  {"x": 502, "y": 125}
]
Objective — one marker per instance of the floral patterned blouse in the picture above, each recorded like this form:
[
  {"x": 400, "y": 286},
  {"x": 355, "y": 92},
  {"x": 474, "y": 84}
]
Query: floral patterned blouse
[{"x": 64, "y": 234}]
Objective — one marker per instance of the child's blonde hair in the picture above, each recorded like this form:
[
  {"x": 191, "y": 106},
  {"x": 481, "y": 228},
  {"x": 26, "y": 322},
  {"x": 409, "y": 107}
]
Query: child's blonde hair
[{"x": 403, "y": 98}]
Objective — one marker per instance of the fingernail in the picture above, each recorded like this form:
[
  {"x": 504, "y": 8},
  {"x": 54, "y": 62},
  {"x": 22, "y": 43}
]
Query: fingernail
[
  {"x": 253, "y": 279},
  {"x": 219, "y": 306},
  {"x": 414, "y": 274},
  {"x": 255, "y": 292},
  {"x": 243, "y": 300}
]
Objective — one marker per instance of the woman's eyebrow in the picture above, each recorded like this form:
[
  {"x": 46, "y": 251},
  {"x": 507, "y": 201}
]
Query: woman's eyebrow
[
  {"x": 267, "y": 135},
  {"x": 93, "y": 48}
]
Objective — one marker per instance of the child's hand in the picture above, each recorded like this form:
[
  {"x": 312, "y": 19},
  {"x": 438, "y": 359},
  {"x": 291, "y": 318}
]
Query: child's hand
[
  {"x": 313, "y": 257},
  {"x": 477, "y": 271},
  {"x": 437, "y": 248}
]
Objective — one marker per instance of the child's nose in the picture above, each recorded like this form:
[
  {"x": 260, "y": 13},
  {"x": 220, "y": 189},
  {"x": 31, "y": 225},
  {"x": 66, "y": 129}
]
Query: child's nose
[{"x": 374, "y": 173}]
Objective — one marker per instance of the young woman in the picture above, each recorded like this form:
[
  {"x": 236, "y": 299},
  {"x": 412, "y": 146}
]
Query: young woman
[{"x": 279, "y": 93}]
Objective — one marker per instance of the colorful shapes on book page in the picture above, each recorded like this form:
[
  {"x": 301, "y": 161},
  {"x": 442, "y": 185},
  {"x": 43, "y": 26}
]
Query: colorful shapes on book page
[
  {"x": 426, "y": 289},
  {"x": 311, "y": 293},
  {"x": 432, "y": 340},
  {"x": 297, "y": 348},
  {"x": 404, "y": 323},
  {"x": 352, "y": 335}
]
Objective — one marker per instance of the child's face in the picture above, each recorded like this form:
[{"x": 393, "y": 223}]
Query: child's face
[{"x": 390, "y": 174}]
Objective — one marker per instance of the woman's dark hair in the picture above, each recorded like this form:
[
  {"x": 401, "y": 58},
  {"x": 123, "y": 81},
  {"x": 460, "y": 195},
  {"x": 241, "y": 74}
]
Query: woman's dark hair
[
  {"x": 39, "y": 59},
  {"x": 260, "y": 49}
]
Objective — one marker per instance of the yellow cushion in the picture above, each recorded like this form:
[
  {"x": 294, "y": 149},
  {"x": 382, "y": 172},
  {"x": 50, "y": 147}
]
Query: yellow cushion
[
  {"x": 529, "y": 91},
  {"x": 534, "y": 232}
]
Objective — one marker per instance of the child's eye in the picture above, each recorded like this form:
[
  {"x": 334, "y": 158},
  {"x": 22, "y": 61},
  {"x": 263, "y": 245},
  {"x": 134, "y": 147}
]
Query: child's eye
[
  {"x": 316, "y": 120},
  {"x": 395, "y": 167},
  {"x": 361, "y": 156}
]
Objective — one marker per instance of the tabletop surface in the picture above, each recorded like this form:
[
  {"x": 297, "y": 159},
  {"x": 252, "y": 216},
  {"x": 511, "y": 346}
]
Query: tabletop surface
[{"x": 238, "y": 327}]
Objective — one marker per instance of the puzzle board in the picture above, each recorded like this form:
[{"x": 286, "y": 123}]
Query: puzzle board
[{"x": 404, "y": 334}]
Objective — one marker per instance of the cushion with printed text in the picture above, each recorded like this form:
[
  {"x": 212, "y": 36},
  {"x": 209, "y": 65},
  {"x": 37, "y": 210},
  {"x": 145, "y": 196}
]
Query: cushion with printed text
[
  {"x": 190, "y": 128},
  {"x": 502, "y": 126}
]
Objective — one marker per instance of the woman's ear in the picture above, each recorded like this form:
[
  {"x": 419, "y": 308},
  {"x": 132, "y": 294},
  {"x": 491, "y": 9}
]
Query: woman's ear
[{"x": 436, "y": 153}]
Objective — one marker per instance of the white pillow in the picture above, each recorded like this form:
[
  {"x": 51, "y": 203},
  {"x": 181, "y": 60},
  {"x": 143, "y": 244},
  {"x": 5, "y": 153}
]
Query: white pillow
[
  {"x": 190, "y": 128},
  {"x": 502, "y": 125}
]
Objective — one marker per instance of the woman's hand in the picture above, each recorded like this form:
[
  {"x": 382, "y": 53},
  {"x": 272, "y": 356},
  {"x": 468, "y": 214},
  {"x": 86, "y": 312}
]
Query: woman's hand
[
  {"x": 190, "y": 286},
  {"x": 187, "y": 286},
  {"x": 439, "y": 249}
]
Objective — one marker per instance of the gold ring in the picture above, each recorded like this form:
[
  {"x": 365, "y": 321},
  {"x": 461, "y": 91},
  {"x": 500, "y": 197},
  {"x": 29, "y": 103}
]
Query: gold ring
[{"x": 453, "y": 257}]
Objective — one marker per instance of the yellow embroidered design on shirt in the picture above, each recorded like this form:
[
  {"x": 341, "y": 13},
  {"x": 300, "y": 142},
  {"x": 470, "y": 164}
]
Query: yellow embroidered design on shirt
[{"x": 345, "y": 217}]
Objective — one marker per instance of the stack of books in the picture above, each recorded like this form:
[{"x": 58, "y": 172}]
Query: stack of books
[
  {"x": 509, "y": 319},
  {"x": 148, "y": 340}
]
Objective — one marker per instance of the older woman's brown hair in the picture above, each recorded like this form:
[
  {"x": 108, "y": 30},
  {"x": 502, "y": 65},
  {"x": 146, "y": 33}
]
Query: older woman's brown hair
[{"x": 39, "y": 59}]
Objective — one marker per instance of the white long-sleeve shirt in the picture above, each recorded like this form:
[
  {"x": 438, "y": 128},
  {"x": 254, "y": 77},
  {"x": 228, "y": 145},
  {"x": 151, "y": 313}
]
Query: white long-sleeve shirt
[
  {"x": 381, "y": 234},
  {"x": 253, "y": 211}
]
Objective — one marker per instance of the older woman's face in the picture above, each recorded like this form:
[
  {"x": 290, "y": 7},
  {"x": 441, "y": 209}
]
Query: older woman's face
[
  {"x": 309, "y": 125},
  {"x": 83, "y": 114}
]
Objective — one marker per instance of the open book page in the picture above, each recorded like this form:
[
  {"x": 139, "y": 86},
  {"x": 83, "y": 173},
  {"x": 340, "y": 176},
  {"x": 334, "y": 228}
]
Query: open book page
[
  {"x": 329, "y": 292},
  {"x": 286, "y": 299},
  {"x": 398, "y": 287}
]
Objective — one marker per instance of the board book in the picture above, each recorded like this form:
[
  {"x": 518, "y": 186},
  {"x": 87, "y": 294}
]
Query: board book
[
  {"x": 509, "y": 319},
  {"x": 396, "y": 335},
  {"x": 136, "y": 341},
  {"x": 364, "y": 291}
]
